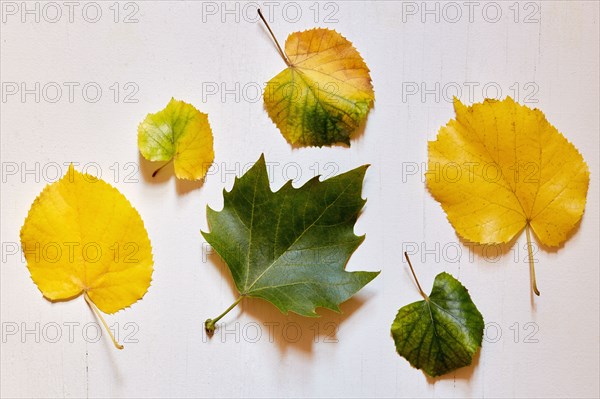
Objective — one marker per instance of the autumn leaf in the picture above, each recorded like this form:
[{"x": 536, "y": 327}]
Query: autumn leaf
[
  {"x": 324, "y": 94},
  {"x": 82, "y": 236},
  {"x": 290, "y": 247},
  {"x": 441, "y": 333},
  {"x": 501, "y": 167},
  {"x": 179, "y": 133}
]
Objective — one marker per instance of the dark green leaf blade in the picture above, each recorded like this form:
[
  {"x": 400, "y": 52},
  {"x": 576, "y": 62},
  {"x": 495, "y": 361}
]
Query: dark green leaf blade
[
  {"x": 290, "y": 247},
  {"x": 440, "y": 334}
]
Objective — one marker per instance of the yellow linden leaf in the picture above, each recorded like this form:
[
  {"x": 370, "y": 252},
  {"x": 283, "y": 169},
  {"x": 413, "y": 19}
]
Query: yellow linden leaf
[
  {"x": 82, "y": 236},
  {"x": 501, "y": 167},
  {"x": 324, "y": 94},
  {"x": 179, "y": 133}
]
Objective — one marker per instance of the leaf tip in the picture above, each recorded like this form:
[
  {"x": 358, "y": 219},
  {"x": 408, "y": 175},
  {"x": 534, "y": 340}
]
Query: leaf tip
[{"x": 458, "y": 105}]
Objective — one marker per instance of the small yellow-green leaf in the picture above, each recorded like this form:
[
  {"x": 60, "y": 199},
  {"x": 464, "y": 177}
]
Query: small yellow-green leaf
[{"x": 180, "y": 133}]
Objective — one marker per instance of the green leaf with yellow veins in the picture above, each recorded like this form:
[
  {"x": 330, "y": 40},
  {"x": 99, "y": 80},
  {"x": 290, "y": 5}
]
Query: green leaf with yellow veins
[
  {"x": 324, "y": 94},
  {"x": 179, "y": 133},
  {"x": 290, "y": 247},
  {"x": 441, "y": 333}
]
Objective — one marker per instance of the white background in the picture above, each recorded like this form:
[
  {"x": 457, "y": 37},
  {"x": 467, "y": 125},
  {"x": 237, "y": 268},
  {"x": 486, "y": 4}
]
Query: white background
[{"x": 176, "y": 49}]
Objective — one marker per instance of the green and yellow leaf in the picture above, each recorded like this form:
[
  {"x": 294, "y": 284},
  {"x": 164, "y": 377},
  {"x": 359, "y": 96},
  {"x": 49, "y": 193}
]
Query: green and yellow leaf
[
  {"x": 325, "y": 93},
  {"x": 179, "y": 133}
]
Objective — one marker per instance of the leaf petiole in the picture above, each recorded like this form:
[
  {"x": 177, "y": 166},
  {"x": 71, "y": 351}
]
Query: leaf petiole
[
  {"x": 209, "y": 324},
  {"x": 287, "y": 62},
  {"x": 97, "y": 312},
  {"x": 531, "y": 262},
  {"x": 159, "y": 169},
  {"x": 416, "y": 279}
]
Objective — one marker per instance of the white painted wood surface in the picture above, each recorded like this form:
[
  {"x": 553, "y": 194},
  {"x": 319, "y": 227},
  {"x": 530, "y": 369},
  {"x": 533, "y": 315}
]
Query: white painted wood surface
[{"x": 546, "y": 55}]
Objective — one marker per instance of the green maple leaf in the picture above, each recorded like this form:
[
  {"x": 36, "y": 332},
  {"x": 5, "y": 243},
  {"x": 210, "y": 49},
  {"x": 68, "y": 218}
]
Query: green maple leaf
[
  {"x": 441, "y": 333},
  {"x": 290, "y": 247}
]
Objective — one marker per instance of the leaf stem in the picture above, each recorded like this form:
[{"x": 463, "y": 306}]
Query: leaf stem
[
  {"x": 209, "y": 324},
  {"x": 159, "y": 169},
  {"x": 281, "y": 53},
  {"x": 97, "y": 312},
  {"x": 531, "y": 261},
  {"x": 416, "y": 279}
]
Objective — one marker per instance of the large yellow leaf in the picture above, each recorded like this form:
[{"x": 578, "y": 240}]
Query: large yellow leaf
[
  {"x": 324, "y": 94},
  {"x": 82, "y": 236},
  {"x": 500, "y": 167}
]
